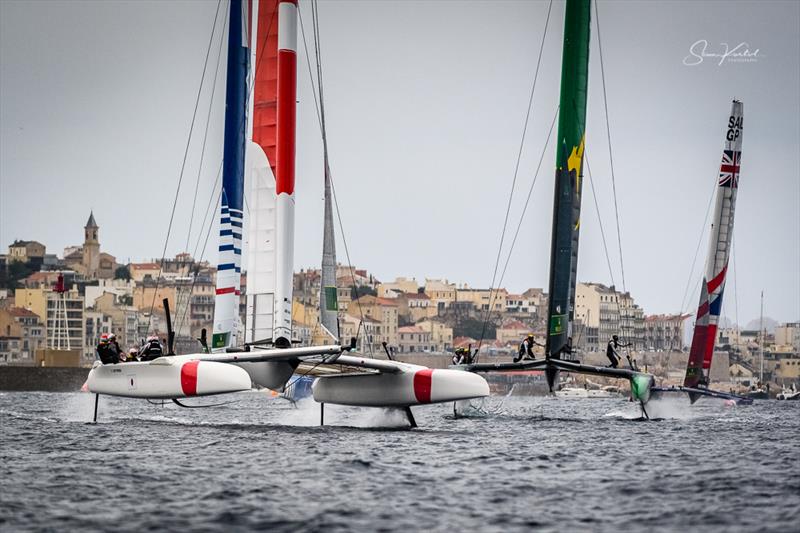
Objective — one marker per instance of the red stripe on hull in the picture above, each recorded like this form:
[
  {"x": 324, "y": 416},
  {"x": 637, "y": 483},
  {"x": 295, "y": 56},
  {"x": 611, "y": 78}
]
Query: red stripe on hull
[
  {"x": 422, "y": 385},
  {"x": 227, "y": 290},
  {"x": 189, "y": 378},
  {"x": 287, "y": 115}
]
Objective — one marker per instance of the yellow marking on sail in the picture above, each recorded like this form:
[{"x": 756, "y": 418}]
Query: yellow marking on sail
[{"x": 574, "y": 163}]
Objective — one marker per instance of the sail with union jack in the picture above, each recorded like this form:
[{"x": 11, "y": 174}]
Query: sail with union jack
[
  {"x": 719, "y": 247},
  {"x": 729, "y": 169}
]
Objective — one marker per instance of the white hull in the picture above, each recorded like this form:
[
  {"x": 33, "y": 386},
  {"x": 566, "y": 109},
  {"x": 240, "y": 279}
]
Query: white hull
[
  {"x": 415, "y": 385},
  {"x": 167, "y": 378}
]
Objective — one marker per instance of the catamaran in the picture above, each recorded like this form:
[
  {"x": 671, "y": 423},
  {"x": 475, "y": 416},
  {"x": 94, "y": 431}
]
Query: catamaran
[
  {"x": 712, "y": 288},
  {"x": 566, "y": 220},
  {"x": 260, "y": 140}
]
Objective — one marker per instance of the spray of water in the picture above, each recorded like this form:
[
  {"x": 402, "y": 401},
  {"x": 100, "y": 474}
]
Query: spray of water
[
  {"x": 307, "y": 413},
  {"x": 672, "y": 407}
]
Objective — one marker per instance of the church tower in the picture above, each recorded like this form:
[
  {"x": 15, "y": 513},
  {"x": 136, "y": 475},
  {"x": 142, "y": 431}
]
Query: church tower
[{"x": 91, "y": 247}]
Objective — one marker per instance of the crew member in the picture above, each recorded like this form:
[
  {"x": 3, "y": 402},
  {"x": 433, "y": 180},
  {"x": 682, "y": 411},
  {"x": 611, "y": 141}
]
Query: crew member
[
  {"x": 526, "y": 349},
  {"x": 104, "y": 351},
  {"x": 463, "y": 356},
  {"x": 152, "y": 349},
  {"x": 114, "y": 348},
  {"x": 611, "y": 350},
  {"x": 133, "y": 354}
]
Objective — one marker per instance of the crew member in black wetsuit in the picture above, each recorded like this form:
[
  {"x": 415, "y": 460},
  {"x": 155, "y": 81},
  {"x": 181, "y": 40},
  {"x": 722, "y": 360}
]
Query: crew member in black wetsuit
[
  {"x": 611, "y": 350},
  {"x": 152, "y": 349},
  {"x": 113, "y": 347},
  {"x": 462, "y": 356},
  {"x": 526, "y": 349},
  {"x": 105, "y": 352}
]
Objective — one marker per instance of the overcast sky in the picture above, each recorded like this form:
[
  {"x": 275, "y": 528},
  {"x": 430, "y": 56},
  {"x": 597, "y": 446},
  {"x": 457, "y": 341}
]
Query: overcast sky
[{"x": 425, "y": 104}]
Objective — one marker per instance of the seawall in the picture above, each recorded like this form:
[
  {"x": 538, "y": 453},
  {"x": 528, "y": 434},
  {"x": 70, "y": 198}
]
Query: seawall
[{"x": 50, "y": 379}]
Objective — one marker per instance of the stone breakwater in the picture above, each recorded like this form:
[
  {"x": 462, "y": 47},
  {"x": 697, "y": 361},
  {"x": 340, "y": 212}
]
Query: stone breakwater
[{"x": 50, "y": 379}]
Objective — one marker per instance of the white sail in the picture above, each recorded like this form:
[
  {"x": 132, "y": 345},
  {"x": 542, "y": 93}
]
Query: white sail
[{"x": 260, "y": 247}]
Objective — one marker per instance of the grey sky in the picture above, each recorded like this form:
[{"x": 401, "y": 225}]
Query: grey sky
[{"x": 425, "y": 103}]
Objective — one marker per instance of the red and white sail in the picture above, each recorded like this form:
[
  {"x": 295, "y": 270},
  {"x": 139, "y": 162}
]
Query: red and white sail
[
  {"x": 270, "y": 165},
  {"x": 720, "y": 239}
]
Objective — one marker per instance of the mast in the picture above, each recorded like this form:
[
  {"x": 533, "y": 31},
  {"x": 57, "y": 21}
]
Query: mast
[
  {"x": 328, "y": 301},
  {"x": 271, "y": 156},
  {"x": 328, "y": 304},
  {"x": 719, "y": 245},
  {"x": 761, "y": 341},
  {"x": 568, "y": 183},
  {"x": 285, "y": 164},
  {"x": 226, "y": 308}
]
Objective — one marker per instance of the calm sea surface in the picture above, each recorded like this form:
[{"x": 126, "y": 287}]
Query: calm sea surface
[{"x": 258, "y": 463}]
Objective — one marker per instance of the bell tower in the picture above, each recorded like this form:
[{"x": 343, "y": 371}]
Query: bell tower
[{"x": 91, "y": 247}]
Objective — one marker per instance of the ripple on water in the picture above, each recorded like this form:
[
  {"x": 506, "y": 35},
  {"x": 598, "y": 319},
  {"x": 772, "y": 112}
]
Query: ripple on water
[{"x": 258, "y": 464}]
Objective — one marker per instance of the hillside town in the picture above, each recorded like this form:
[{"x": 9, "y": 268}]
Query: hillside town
[{"x": 54, "y": 308}]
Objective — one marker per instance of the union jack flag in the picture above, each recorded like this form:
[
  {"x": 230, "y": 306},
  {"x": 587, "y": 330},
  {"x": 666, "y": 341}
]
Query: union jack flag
[{"x": 729, "y": 169}]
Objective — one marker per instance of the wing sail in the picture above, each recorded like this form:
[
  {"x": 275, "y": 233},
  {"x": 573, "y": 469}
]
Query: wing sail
[{"x": 719, "y": 246}]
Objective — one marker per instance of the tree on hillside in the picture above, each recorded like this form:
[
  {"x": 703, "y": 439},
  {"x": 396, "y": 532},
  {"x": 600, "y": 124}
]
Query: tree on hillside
[
  {"x": 472, "y": 327},
  {"x": 16, "y": 271},
  {"x": 357, "y": 292},
  {"x": 122, "y": 272}
]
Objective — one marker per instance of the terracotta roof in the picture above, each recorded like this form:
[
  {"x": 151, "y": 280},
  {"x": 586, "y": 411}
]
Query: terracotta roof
[
  {"x": 513, "y": 324},
  {"x": 417, "y": 296},
  {"x": 21, "y": 311},
  {"x": 463, "y": 342},
  {"x": 410, "y": 329},
  {"x": 42, "y": 276},
  {"x": 18, "y": 244},
  {"x": 144, "y": 266},
  {"x": 349, "y": 317},
  {"x": 368, "y": 299}
]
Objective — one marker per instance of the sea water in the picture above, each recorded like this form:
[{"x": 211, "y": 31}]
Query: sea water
[{"x": 259, "y": 462}]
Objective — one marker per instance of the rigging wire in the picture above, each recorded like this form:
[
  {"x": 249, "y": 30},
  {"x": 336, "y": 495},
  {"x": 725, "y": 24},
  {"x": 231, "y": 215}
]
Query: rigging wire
[
  {"x": 205, "y": 137},
  {"x": 697, "y": 249},
  {"x": 610, "y": 153},
  {"x": 599, "y": 219},
  {"x": 261, "y": 47},
  {"x": 528, "y": 198},
  {"x": 525, "y": 207},
  {"x": 183, "y": 165},
  {"x": 218, "y": 196},
  {"x": 182, "y": 319},
  {"x": 493, "y": 295},
  {"x": 627, "y": 300},
  {"x": 735, "y": 293},
  {"x": 319, "y": 107}
]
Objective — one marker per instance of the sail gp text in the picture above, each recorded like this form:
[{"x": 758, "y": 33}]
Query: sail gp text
[
  {"x": 734, "y": 128},
  {"x": 740, "y": 53}
]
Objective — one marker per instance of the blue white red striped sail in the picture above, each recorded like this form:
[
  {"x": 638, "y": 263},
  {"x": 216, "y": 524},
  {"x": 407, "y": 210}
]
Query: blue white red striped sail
[
  {"x": 226, "y": 308},
  {"x": 720, "y": 239}
]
